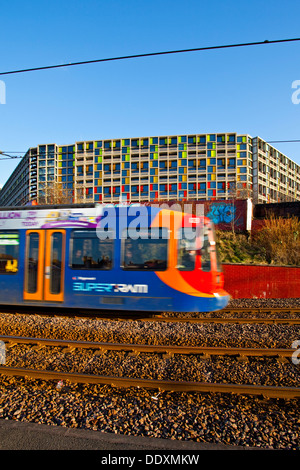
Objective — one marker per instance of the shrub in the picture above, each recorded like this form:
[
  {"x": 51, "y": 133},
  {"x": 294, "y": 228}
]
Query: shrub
[
  {"x": 280, "y": 238},
  {"x": 277, "y": 242}
]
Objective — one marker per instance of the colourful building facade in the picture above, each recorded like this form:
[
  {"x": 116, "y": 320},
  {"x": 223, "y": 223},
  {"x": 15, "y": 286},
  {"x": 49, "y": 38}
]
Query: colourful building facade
[{"x": 178, "y": 167}]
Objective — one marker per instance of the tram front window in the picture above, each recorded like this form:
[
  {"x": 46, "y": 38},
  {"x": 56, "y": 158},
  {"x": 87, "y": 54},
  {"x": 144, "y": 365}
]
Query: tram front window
[
  {"x": 205, "y": 251},
  {"x": 187, "y": 246},
  {"x": 9, "y": 252}
]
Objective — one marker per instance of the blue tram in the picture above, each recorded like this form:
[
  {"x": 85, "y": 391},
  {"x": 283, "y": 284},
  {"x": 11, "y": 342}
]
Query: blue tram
[{"x": 109, "y": 257}]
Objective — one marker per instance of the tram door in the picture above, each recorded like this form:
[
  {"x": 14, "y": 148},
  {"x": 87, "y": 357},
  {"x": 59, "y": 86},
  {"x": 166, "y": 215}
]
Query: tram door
[{"x": 45, "y": 265}]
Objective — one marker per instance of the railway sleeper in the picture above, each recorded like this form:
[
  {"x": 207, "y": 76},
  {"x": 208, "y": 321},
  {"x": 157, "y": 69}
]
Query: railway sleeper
[
  {"x": 168, "y": 355},
  {"x": 242, "y": 358},
  {"x": 283, "y": 359},
  {"x": 99, "y": 352},
  {"x": 38, "y": 347},
  {"x": 134, "y": 352},
  {"x": 69, "y": 349},
  {"x": 205, "y": 357},
  {"x": 11, "y": 344}
]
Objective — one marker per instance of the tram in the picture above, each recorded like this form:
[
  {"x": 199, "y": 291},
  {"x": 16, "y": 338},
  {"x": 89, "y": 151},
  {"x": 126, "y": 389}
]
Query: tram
[{"x": 109, "y": 257}]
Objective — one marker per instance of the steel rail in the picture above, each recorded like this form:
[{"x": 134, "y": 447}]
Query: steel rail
[
  {"x": 232, "y": 320},
  {"x": 102, "y": 347},
  {"x": 261, "y": 309},
  {"x": 222, "y": 318},
  {"x": 165, "y": 385},
  {"x": 181, "y": 318}
]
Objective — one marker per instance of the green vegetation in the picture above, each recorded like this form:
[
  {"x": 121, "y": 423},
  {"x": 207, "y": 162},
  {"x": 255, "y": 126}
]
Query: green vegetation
[
  {"x": 278, "y": 242},
  {"x": 237, "y": 248}
]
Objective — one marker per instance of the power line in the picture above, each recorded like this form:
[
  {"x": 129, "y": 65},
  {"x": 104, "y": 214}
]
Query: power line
[
  {"x": 280, "y": 141},
  {"x": 3, "y": 152},
  {"x": 7, "y": 152},
  {"x": 8, "y": 157},
  {"x": 151, "y": 54}
]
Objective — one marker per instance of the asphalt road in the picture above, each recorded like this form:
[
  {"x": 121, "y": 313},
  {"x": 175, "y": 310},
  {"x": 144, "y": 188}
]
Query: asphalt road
[{"x": 15, "y": 435}]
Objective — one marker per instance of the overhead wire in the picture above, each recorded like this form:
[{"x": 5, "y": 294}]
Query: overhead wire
[
  {"x": 6, "y": 152},
  {"x": 151, "y": 54}
]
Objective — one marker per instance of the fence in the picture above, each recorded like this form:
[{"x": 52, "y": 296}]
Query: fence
[{"x": 259, "y": 281}]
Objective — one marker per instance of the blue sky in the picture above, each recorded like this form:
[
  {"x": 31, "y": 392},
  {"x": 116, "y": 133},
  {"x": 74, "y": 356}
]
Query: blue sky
[{"x": 244, "y": 90}]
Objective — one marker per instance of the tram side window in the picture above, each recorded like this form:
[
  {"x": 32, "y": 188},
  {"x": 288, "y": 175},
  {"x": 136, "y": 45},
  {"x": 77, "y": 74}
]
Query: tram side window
[
  {"x": 205, "y": 252},
  {"x": 149, "y": 252},
  {"x": 9, "y": 252},
  {"x": 187, "y": 249},
  {"x": 88, "y": 251},
  {"x": 214, "y": 249},
  {"x": 56, "y": 262},
  {"x": 33, "y": 262}
]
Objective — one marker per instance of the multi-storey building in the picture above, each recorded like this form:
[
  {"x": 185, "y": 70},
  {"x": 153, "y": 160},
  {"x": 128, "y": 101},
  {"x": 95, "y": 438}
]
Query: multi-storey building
[
  {"x": 276, "y": 177},
  {"x": 191, "y": 167},
  {"x": 15, "y": 191}
]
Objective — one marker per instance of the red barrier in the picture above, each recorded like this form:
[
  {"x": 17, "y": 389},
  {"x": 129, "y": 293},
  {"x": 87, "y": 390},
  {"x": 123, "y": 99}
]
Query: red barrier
[{"x": 267, "y": 282}]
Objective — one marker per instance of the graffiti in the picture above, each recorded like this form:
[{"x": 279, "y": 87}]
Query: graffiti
[
  {"x": 222, "y": 213},
  {"x": 10, "y": 215},
  {"x": 31, "y": 219}
]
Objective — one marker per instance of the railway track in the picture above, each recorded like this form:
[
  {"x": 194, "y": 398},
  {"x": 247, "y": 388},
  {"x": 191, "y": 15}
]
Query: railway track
[
  {"x": 230, "y": 316},
  {"x": 101, "y": 348},
  {"x": 165, "y": 385},
  {"x": 239, "y": 315},
  {"x": 255, "y": 310},
  {"x": 229, "y": 320}
]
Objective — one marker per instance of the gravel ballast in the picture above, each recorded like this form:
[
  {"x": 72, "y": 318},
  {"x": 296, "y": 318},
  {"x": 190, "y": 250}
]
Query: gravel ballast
[{"x": 203, "y": 417}]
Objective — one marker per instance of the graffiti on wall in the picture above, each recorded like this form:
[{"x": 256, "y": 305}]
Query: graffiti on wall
[{"x": 221, "y": 213}]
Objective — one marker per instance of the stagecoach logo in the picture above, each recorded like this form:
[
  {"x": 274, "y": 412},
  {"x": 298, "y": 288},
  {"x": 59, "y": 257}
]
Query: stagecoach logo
[{"x": 82, "y": 286}]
